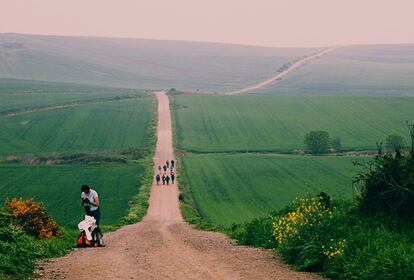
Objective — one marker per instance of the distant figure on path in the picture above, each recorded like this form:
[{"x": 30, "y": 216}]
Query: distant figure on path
[
  {"x": 165, "y": 168},
  {"x": 167, "y": 179},
  {"x": 163, "y": 179},
  {"x": 158, "y": 178},
  {"x": 172, "y": 177},
  {"x": 159, "y": 168},
  {"x": 172, "y": 164},
  {"x": 90, "y": 200},
  {"x": 167, "y": 163}
]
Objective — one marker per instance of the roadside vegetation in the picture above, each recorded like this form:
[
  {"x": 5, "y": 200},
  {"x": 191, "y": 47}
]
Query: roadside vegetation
[
  {"x": 29, "y": 233},
  {"x": 368, "y": 237}
]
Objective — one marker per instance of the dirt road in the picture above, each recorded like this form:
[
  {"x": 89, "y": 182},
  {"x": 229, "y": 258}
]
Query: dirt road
[
  {"x": 163, "y": 246},
  {"x": 283, "y": 73}
]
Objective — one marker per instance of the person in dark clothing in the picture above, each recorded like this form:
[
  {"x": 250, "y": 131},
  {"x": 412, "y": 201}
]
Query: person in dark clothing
[
  {"x": 172, "y": 177},
  {"x": 172, "y": 164},
  {"x": 158, "y": 178},
  {"x": 165, "y": 168},
  {"x": 167, "y": 163},
  {"x": 167, "y": 179},
  {"x": 163, "y": 179}
]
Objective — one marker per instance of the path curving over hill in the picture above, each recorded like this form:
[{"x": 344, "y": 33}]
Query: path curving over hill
[
  {"x": 163, "y": 246},
  {"x": 283, "y": 73}
]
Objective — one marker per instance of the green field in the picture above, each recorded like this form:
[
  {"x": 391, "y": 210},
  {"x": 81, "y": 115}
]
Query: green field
[
  {"x": 354, "y": 70},
  {"x": 279, "y": 123},
  {"x": 230, "y": 189},
  {"x": 58, "y": 187},
  {"x": 20, "y": 95},
  {"x": 58, "y": 150},
  {"x": 98, "y": 127}
]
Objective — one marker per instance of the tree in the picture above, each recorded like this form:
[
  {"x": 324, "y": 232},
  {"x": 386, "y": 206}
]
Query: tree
[
  {"x": 317, "y": 142},
  {"x": 394, "y": 142},
  {"x": 336, "y": 143}
]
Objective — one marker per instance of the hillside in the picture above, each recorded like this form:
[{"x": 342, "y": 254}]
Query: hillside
[
  {"x": 139, "y": 63},
  {"x": 354, "y": 70}
]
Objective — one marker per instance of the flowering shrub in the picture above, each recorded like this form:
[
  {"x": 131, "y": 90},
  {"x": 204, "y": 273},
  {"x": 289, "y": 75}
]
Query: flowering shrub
[
  {"x": 309, "y": 213},
  {"x": 307, "y": 233},
  {"x": 33, "y": 218}
]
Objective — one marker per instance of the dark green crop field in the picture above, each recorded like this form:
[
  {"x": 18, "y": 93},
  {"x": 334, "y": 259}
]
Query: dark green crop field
[
  {"x": 58, "y": 187},
  {"x": 279, "y": 123},
  {"x": 97, "y": 127},
  {"x": 230, "y": 189}
]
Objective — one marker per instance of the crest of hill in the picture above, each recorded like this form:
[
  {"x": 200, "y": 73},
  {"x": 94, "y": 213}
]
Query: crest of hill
[{"x": 139, "y": 63}]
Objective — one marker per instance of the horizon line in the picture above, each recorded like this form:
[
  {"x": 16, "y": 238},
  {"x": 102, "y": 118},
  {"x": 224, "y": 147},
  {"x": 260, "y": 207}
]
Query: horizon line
[{"x": 206, "y": 42}]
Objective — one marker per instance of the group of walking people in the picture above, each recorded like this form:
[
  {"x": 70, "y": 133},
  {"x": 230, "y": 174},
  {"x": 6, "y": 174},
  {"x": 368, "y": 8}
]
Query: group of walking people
[{"x": 166, "y": 173}]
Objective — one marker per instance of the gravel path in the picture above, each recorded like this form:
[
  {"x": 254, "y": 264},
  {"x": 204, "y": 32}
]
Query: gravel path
[{"x": 163, "y": 246}]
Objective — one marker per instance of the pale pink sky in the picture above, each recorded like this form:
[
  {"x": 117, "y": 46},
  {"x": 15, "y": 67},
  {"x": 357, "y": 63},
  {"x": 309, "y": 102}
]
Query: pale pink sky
[{"x": 256, "y": 22}]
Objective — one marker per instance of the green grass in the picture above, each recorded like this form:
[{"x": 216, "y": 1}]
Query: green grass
[
  {"x": 231, "y": 189},
  {"x": 279, "y": 123},
  {"x": 98, "y": 127},
  {"x": 354, "y": 70},
  {"x": 58, "y": 187},
  {"x": 27, "y": 94}
]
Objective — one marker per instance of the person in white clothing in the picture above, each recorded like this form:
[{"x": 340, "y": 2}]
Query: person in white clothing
[{"x": 90, "y": 200}]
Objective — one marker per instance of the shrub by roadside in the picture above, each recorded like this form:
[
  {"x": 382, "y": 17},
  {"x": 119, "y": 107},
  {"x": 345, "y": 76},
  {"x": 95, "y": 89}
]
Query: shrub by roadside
[
  {"x": 20, "y": 247},
  {"x": 337, "y": 241}
]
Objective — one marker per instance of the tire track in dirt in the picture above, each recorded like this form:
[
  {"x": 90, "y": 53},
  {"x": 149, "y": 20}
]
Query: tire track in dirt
[{"x": 163, "y": 246}]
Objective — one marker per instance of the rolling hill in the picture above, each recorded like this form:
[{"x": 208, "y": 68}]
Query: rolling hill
[
  {"x": 354, "y": 70},
  {"x": 138, "y": 63}
]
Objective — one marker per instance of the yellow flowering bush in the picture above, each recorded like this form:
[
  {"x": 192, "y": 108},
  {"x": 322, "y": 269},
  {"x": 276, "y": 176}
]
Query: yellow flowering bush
[
  {"x": 308, "y": 212},
  {"x": 33, "y": 218}
]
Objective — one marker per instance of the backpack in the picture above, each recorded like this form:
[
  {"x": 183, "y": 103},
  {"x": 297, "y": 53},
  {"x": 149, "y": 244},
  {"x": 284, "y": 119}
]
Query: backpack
[{"x": 96, "y": 241}]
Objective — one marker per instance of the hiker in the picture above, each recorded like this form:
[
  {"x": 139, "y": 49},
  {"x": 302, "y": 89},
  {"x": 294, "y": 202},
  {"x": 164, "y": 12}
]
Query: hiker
[
  {"x": 172, "y": 177},
  {"x": 159, "y": 168},
  {"x": 158, "y": 178},
  {"x": 167, "y": 179},
  {"x": 171, "y": 168},
  {"x": 165, "y": 168},
  {"x": 167, "y": 163},
  {"x": 163, "y": 179},
  {"x": 172, "y": 164},
  {"x": 90, "y": 200}
]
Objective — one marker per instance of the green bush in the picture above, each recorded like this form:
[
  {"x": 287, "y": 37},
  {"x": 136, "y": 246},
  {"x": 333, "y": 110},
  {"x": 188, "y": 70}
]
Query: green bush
[
  {"x": 19, "y": 251},
  {"x": 387, "y": 185},
  {"x": 336, "y": 239},
  {"x": 257, "y": 233}
]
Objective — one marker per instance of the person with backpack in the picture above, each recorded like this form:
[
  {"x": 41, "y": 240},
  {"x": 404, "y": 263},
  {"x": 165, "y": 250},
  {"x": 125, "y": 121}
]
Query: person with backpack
[
  {"x": 90, "y": 200},
  {"x": 172, "y": 164},
  {"x": 172, "y": 178},
  {"x": 158, "y": 178},
  {"x": 165, "y": 168},
  {"x": 163, "y": 179},
  {"x": 167, "y": 179}
]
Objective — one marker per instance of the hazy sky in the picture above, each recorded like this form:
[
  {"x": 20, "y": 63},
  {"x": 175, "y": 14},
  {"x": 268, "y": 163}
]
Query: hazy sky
[{"x": 257, "y": 22}]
